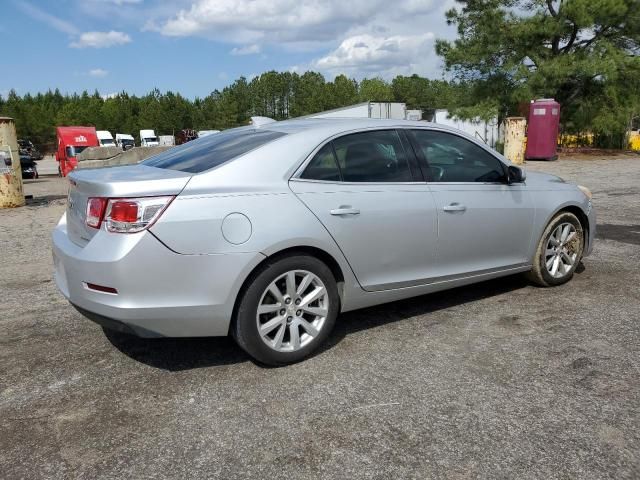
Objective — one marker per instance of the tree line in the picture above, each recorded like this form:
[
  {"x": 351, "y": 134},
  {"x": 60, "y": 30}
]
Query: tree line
[{"x": 279, "y": 95}]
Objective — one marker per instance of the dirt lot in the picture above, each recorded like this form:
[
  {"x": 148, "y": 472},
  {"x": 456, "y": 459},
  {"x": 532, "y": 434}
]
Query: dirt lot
[{"x": 500, "y": 379}]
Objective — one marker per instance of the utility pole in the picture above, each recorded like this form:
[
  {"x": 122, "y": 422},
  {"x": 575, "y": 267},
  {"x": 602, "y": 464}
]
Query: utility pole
[{"x": 11, "y": 192}]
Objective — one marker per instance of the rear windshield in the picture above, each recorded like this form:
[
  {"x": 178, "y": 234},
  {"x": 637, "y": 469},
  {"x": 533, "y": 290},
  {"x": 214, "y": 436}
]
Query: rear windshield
[{"x": 213, "y": 150}]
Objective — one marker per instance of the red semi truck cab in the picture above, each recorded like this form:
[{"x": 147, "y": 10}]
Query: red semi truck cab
[{"x": 72, "y": 141}]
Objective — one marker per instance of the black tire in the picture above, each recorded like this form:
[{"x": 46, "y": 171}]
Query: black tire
[
  {"x": 539, "y": 273},
  {"x": 244, "y": 327}
]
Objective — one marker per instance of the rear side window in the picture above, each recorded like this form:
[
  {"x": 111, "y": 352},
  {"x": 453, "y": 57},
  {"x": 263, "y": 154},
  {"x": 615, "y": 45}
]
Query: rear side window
[
  {"x": 323, "y": 166},
  {"x": 213, "y": 150},
  {"x": 376, "y": 156}
]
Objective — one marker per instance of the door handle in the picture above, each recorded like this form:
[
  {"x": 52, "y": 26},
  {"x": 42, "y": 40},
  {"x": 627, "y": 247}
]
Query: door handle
[
  {"x": 455, "y": 207},
  {"x": 345, "y": 210}
]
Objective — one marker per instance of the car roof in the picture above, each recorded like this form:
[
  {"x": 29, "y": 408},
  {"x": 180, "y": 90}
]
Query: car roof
[{"x": 333, "y": 126}]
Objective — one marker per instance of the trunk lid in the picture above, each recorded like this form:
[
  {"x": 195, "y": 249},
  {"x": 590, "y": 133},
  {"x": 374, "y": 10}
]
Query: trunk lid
[{"x": 115, "y": 182}]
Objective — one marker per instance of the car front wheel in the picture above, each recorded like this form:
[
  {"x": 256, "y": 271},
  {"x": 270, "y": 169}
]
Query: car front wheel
[
  {"x": 287, "y": 310},
  {"x": 559, "y": 251}
]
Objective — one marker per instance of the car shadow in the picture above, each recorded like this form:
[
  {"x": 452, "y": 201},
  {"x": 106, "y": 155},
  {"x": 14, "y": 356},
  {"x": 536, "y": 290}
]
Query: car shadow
[
  {"x": 177, "y": 354},
  {"x": 372, "y": 317},
  {"x": 43, "y": 200}
]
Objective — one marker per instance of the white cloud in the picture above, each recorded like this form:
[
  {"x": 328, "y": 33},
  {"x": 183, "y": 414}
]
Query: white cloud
[
  {"x": 335, "y": 27},
  {"x": 246, "y": 50},
  {"x": 100, "y": 39},
  {"x": 384, "y": 56},
  {"x": 98, "y": 72},
  {"x": 245, "y": 21},
  {"x": 42, "y": 16}
]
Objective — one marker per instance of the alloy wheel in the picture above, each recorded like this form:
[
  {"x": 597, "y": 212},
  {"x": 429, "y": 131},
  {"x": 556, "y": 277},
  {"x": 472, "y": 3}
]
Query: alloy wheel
[
  {"x": 292, "y": 311},
  {"x": 561, "y": 252}
]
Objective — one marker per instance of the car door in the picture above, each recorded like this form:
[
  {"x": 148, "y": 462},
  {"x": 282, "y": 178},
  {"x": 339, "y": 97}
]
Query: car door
[
  {"x": 366, "y": 189},
  {"x": 484, "y": 223}
]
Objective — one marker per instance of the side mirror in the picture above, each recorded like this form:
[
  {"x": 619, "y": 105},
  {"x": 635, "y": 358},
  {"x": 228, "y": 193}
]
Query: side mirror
[{"x": 515, "y": 174}]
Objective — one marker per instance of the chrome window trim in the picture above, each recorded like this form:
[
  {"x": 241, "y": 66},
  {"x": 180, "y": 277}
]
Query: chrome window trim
[{"x": 329, "y": 182}]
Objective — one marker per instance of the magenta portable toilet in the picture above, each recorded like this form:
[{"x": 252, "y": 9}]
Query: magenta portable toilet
[{"x": 542, "y": 131}]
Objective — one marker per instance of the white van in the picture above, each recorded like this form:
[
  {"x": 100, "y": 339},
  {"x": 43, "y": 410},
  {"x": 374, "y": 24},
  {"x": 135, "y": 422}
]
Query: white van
[
  {"x": 125, "y": 141},
  {"x": 105, "y": 139},
  {"x": 148, "y": 138}
]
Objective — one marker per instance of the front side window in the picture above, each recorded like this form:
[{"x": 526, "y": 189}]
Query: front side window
[
  {"x": 213, "y": 150},
  {"x": 376, "y": 156},
  {"x": 454, "y": 159}
]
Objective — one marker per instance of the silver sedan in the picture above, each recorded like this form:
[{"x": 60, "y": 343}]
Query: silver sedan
[{"x": 268, "y": 232}]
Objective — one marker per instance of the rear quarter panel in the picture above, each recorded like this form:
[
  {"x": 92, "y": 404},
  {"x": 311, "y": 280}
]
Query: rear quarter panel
[{"x": 193, "y": 225}]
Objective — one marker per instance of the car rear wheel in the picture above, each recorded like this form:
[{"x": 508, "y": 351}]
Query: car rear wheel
[
  {"x": 287, "y": 310},
  {"x": 559, "y": 251}
]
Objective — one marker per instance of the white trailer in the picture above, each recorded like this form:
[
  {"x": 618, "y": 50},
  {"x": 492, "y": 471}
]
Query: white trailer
[
  {"x": 166, "y": 140},
  {"x": 391, "y": 110},
  {"x": 488, "y": 132}
]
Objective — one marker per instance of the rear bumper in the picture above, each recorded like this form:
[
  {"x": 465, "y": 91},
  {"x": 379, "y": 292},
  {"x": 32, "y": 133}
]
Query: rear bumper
[
  {"x": 159, "y": 292},
  {"x": 116, "y": 325}
]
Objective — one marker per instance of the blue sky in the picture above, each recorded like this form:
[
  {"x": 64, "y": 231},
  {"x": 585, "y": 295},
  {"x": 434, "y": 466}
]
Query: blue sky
[{"x": 196, "y": 46}]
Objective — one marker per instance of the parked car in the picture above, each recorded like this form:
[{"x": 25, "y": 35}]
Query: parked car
[
  {"x": 27, "y": 147},
  {"x": 268, "y": 233},
  {"x": 29, "y": 167}
]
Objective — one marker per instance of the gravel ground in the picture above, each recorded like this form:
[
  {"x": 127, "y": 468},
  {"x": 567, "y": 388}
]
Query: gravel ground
[{"x": 496, "y": 380}]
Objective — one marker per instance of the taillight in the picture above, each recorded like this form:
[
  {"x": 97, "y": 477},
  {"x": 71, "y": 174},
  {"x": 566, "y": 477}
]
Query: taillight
[
  {"x": 130, "y": 215},
  {"x": 95, "y": 211},
  {"x": 124, "y": 211}
]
